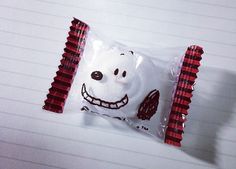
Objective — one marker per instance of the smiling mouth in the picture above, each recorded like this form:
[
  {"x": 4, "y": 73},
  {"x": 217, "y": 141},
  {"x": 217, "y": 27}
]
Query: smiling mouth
[{"x": 103, "y": 103}]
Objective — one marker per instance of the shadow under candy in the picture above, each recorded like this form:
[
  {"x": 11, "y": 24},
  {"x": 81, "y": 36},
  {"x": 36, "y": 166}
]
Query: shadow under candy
[{"x": 212, "y": 107}]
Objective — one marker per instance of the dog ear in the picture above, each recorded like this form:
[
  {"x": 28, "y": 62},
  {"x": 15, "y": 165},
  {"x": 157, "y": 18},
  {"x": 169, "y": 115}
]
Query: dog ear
[
  {"x": 149, "y": 105},
  {"x": 131, "y": 52}
]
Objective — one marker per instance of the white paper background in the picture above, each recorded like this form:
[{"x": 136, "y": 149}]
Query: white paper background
[{"x": 32, "y": 37}]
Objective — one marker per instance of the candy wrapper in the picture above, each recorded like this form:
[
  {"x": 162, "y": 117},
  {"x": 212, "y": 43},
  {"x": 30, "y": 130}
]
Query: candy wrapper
[{"x": 148, "y": 89}]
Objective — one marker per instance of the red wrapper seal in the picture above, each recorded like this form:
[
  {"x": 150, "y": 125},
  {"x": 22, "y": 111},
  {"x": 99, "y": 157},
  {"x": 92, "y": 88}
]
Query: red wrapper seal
[
  {"x": 63, "y": 80},
  {"x": 183, "y": 94}
]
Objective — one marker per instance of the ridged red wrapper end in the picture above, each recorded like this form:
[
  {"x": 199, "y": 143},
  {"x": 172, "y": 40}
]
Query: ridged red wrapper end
[
  {"x": 183, "y": 94},
  {"x": 63, "y": 80}
]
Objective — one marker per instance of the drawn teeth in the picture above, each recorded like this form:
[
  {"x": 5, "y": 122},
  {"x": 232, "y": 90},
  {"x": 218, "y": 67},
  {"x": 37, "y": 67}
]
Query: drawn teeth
[
  {"x": 85, "y": 94},
  {"x": 119, "y": 104},
  {"x": 97, "y": 102},
  {"x": 125, "y": 100},
  {"x": 102, "y": 103},
  {"x": 89, "y": 99},
  {"x": 113, "y": 105},
  {"x": 83, "y": 90}
]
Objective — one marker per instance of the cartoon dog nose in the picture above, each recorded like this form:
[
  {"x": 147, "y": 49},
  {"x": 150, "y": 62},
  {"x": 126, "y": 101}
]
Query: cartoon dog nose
[{"x": 96, "y": 75}]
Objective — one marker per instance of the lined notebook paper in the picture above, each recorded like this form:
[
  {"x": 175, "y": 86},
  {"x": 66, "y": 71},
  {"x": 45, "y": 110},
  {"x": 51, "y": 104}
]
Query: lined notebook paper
[{"x": 32, "y": 37}]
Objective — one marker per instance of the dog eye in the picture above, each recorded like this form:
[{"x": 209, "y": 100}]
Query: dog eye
[
  {"x": 116, "y": 71},
  {"x": 96, "y": 75},
  {"x": 124, "y": 74}
]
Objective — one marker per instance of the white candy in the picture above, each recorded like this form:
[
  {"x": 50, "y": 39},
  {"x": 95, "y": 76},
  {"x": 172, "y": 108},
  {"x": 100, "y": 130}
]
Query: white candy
[
  {"x": 120, "y": 83},
  {"x": 126, "y": 80}
]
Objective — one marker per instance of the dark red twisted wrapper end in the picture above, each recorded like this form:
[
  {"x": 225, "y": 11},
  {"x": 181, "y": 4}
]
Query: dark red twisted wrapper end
[
  {"x": 63, "y": 80},
  {"x": 183, "y": 94}
]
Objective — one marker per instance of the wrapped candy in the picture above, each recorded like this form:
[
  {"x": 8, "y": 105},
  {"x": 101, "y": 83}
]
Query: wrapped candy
[{"x": 151, "y": 91}]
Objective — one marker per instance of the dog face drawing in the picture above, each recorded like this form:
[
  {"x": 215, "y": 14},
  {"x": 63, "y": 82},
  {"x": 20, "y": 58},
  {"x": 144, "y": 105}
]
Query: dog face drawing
[{"x": 120, "y": 84}]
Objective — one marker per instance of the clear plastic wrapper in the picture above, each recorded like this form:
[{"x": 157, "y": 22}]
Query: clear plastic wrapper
[{"x": 149, "y": 89}]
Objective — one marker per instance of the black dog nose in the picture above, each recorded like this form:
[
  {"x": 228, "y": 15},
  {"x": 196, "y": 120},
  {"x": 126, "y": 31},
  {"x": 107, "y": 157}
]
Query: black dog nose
[{"x": 96, "y": 75}]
